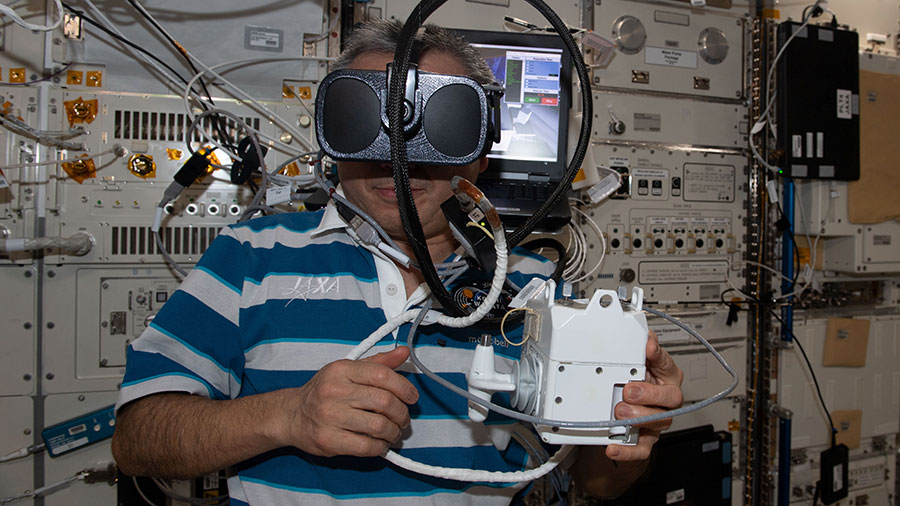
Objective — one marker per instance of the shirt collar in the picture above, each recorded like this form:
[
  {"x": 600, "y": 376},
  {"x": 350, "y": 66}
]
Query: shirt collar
[{"x": 331, "y": 219}]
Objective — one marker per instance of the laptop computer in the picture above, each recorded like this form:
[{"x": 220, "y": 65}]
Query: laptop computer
[{"x": 530, "y": 159}]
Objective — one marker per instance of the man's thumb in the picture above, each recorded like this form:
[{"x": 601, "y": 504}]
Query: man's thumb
[{"x": 392, "y": 359}]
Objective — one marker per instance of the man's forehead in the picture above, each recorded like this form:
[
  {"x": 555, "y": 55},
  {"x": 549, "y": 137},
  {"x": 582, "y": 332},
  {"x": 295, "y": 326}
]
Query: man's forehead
[{"x": 429, "y": 61}]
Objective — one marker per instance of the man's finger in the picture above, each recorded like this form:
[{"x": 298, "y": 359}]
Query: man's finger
[
  {"x": 625, "y": 410},
  {"x": 345, "y": 442},
  {"x": 641, "y": 451},
  {"x": 648, "y": 394},
  {"x": 381, "y": 401},
  {"x": 392, "y": 359},
  {"x": 372, "y": 425},
  {"x": 377, "y": 375},
  {"x": 660, "y": 363}
]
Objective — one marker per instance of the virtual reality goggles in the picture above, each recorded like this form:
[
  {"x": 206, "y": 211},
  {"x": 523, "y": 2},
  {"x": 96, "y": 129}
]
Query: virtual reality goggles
[{"x": 448, "y": 120}]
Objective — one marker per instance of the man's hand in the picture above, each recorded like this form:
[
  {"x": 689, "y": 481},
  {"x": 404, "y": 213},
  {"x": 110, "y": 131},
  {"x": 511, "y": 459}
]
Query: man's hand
[
  {"x": 661, "y": 391},
  {"x": 349, "y": 407}
]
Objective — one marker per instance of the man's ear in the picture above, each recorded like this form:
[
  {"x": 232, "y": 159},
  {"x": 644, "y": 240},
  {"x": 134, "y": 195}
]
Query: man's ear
[{"x": 482, "y": 164}]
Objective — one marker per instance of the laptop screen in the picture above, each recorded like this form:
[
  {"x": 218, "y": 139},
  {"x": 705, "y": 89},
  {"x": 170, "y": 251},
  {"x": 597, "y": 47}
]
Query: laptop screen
[
  {"x": 529, "y": 121},
  {"x": 535, "y": 71}
]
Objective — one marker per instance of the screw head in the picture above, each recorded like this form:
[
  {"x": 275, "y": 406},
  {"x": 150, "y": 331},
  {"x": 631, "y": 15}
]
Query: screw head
[
  {"x": 50, "y": 325},
  {"x": 28, "y": 274},
  {"x": 81, "y": 397},
  {"x": 51, "y": 274},
  {"x": 27, "y": 325},
  {"x": 27, "y": 432},
  {"x": 50, "y": 376},
  {"x": 26, "y": 377}
]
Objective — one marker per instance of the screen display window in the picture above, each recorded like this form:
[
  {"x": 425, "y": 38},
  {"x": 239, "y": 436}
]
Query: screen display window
[{"x": 529, "y": 121}]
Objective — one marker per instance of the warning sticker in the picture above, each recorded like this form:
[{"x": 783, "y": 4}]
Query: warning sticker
[
  {"x": 682, "y": 272},
  {"x": 708, "y": 183},
  {"x": 3, "y": 182}
]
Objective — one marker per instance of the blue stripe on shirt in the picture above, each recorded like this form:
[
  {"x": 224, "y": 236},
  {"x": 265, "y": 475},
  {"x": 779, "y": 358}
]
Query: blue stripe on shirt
[
  {"x": 143, "y": 367},
  {"x": 361, "y": 477},
  {"x": 333, "y": 259}
]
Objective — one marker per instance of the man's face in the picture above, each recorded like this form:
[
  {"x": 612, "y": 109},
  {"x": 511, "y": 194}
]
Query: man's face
[{"x": 370, "y": 185}]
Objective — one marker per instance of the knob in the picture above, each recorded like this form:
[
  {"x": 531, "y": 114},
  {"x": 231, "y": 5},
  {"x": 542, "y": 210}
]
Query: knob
[
  {"x": 713, "y": 45},
  {"x": 629, "y": 34},
  {"x": 626, "y": 275}
]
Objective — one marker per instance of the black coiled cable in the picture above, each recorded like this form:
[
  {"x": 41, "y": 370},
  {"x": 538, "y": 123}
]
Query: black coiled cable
[{"x": 409, "y": 215}]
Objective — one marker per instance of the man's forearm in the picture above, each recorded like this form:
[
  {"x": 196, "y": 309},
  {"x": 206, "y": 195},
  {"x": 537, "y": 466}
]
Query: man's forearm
[
  {"x": 602, "y": 477},
  {"x": 184, "y": 436}
]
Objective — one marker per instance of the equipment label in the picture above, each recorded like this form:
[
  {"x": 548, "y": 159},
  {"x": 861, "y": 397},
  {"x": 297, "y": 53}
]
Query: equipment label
[
  {"x": 675, "y": 496},
  {"x": 710, "y": 446},
  {"x": 669, "y": 333},
  {"x": 618, "y": 161},
  {"x": 844, "y": 104},
  {"x": 838, "y": 477},
  {"x": 3, "y": 182},
  {"x": 646, "y": 122},
  {"x": 258, "y": 38},
  {"x": 651, "y": 173},
  {"x": 708, "y": 183},
  {"x": 797, "y": 146},
  {"x": 527, "y": 293},
  {"x": 670, "y": 57},
  {"x": 868, "y": 476},
  {"x": 681, "y": 272}
]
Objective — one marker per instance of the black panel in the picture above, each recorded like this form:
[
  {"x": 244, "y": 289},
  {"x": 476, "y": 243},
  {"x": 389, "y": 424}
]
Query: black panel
[
  {"x": 690, "y": 467},
  {"x": 818, "y": 102}
]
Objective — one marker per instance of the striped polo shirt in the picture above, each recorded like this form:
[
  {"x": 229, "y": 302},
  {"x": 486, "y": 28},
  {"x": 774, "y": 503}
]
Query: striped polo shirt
[{"x": 276, "y": 298}]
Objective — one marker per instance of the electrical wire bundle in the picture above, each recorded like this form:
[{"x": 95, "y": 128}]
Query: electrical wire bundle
[
  {"x": 8, "y": 11},
  {"x": 57, "y": 138}
]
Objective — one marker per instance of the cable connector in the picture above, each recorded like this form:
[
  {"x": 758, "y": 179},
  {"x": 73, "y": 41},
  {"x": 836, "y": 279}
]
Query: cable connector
[
  {"x": 521, "y": 22},
  {"x": 22, "y": 452},
  {"x": 108, "y": 475},
  {"x": 367, "y": 234},
  {"x": 193, "y": 168}
]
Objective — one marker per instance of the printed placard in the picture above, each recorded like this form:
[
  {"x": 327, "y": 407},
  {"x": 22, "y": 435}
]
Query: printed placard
[
  {"x": 844, "y": 104},
  {"x": 670, "y": 57}
]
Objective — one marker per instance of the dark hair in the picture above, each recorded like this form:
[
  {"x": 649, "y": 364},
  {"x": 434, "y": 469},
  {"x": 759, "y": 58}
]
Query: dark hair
[{"x": 382, "y": 36}]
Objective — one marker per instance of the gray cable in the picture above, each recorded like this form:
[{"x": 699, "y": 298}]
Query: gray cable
[
  {"x": 166, "y": 256},
  {"x": 580, "y": 425},
  {"x": 329, "y": 188}
]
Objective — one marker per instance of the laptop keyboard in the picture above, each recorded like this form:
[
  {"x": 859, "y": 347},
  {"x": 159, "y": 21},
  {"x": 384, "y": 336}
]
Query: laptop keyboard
[{"x": 500, "y": 190}]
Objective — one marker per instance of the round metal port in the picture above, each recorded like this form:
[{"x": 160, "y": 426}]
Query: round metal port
[{"x": 192, "y": 209}]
